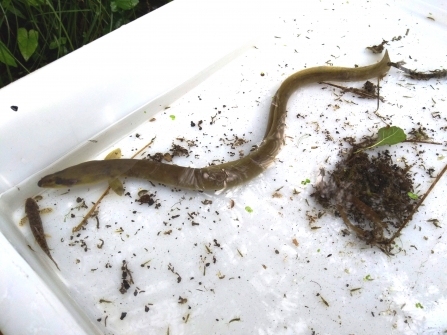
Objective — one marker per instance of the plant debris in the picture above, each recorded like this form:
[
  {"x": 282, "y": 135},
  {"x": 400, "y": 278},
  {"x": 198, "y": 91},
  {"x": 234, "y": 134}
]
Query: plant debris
[
  {"x": 126, "y": 277},
  {"x": 413, "y": 74},
  {"x": 368, "y": 91},
  {"x": 388, "y": 136},
  {"x": 372, "y": 192},
  {"x": 378, "y": 49}
]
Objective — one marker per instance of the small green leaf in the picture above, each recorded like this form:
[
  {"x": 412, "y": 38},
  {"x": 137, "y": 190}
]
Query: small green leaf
[
  {"x": 248, "y": 209},
  {"x": 419, "y": 305},
  {"x": 58, "y": 42},
  {"x": 368, "y": 278},
  {"x": 120, "y": 22},
  {"x": 305, "y": 182},
  {"x": 6, "y": 56},
  {"x": 172, "y": 117},
  {"x": 27, "y": 41},
  {"x": 6, "y": 4},
  {"x": 413, "y": 196},
  {"x": 388, "y": 135},
  {"x": 123, "y": 4}
]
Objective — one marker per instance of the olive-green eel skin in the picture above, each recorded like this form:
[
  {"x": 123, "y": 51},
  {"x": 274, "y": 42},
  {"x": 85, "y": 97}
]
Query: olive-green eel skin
[{"x": 222, "y": 176}]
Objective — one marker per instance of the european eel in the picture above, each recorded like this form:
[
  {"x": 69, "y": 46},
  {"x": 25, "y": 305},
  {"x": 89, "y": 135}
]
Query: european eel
[
  {"x": 35, "y": 222},
  {"x": 221, "y": 176}
]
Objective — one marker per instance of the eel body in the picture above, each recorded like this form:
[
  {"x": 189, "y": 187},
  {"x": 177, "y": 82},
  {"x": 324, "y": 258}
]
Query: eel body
[
  {"x": 35, "y": 222},
  {"x": 221, "y": 176}
]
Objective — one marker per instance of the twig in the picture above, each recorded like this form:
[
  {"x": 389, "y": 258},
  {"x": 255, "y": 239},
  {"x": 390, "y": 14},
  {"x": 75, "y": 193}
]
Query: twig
[
  {"x": 438, "y": 74},
  {"x": 354, "y": 90},
  {"x": 90, "y": 212},
  {"x": 139, "y": 151},
  {"x": 422, "y": 141},
  {"x": 418, "y": 204},
  {"x": 378, "y": 104},
  {"x": 359, "y": 232}
]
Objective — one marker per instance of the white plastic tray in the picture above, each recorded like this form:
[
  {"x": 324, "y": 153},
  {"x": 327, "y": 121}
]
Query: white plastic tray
[{"x": 234, "y": 266}]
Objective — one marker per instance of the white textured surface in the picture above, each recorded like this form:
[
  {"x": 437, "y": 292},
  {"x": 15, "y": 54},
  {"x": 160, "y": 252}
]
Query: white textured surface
[
  {"x": 274, "y": 287},
  {"x": 71, "y": 100}
]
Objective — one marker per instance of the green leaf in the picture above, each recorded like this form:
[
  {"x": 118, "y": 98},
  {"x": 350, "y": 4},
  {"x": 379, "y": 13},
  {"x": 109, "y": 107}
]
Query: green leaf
[
  {"x": 368, "y": 278},
  {"x": 113, "y": 6},
  {"x": 305, "y": 182},
  {"x": 123, "y": 4},
  {"x": 412, "y": 195},
  {"x": 6, "y": 56},
  {"x": 58, "y": 42},
  {"x": 120, "y": 22},
  {"x": 419, "y": 305},
  {"x": 172, "y": 117},
  {"x": 248, "y": 209},
  {"x": 6, "y": 4},
  {"x": 388, "y": 135},
  {"x": 27, "y": 41}
]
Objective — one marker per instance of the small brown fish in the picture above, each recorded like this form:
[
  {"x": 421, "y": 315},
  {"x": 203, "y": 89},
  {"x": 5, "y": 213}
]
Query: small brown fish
[{"x": 35, "y": 222}]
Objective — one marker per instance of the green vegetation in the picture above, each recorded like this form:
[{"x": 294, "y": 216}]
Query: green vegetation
[
  {"x": 388, "y": 135},
  {"x": 305, "y": 182},
  {"x": 34, "y": 33},
  {"x": 368, "y": 278},
  {"x": 413, "y": 196}
]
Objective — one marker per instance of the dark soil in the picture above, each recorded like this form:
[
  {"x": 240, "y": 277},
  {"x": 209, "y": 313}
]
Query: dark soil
[{"x": 371, "y": 194}]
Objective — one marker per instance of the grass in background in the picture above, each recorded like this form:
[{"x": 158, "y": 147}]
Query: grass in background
[{"x": 34, "y": 33}]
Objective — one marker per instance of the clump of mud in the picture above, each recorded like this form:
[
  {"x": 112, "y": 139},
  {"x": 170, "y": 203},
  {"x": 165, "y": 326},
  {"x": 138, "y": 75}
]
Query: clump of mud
[{"x": 370, "y": 194}]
